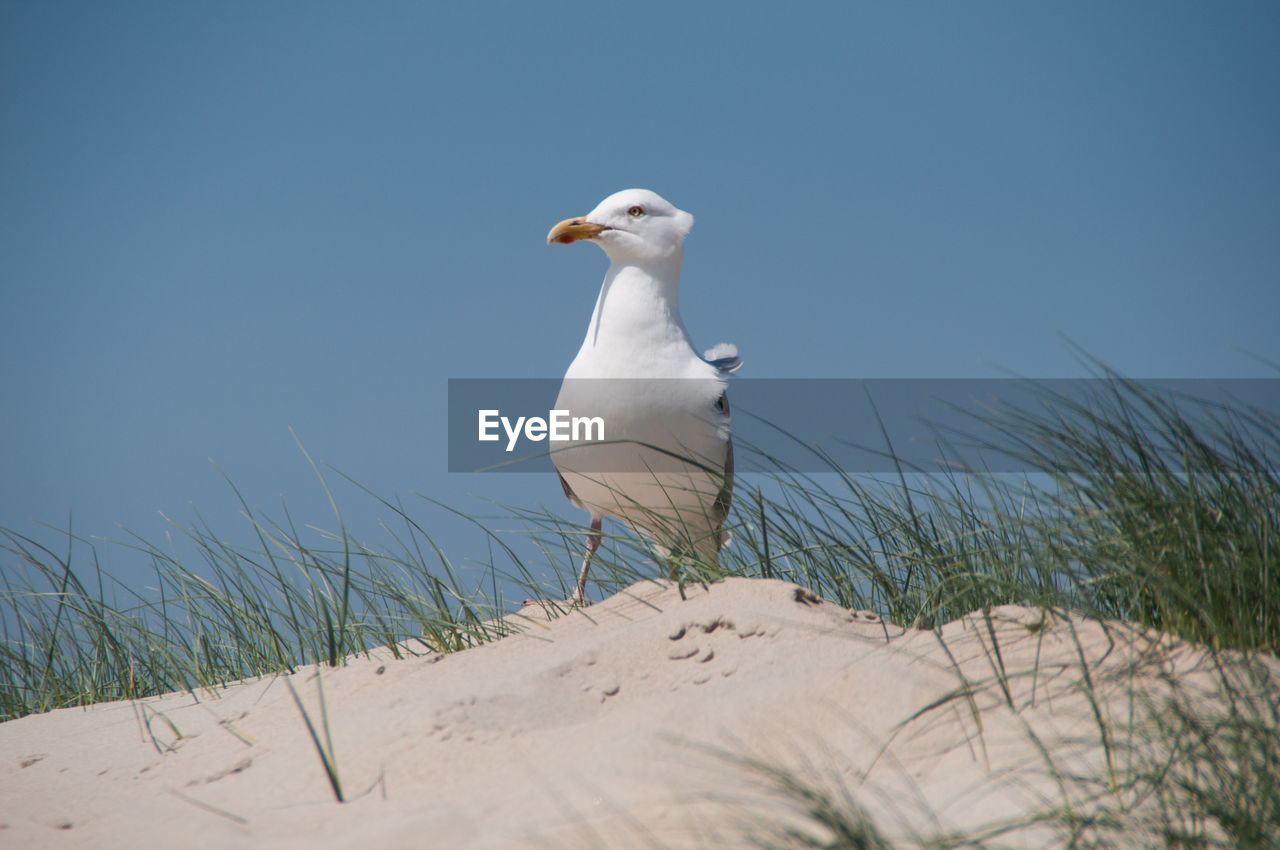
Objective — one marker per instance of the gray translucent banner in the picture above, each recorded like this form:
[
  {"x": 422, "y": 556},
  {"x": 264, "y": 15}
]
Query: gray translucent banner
[{"x": 876, "y": 425}]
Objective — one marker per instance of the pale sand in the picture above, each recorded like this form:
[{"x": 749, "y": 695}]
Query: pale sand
[{"x": 599, "y": 729}]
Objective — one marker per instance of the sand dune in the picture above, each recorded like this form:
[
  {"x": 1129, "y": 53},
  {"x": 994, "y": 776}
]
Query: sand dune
[{"x": 632, "y": 723}]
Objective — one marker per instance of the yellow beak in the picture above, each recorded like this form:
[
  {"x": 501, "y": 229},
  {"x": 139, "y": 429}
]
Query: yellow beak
[{"x": 572, "y": 229}]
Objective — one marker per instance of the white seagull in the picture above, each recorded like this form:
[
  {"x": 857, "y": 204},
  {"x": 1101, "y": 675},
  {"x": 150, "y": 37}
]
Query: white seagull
[{"x": 665, "y": 463}]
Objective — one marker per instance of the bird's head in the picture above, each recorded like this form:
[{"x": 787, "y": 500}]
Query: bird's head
[{"x": 634, "y": 225}]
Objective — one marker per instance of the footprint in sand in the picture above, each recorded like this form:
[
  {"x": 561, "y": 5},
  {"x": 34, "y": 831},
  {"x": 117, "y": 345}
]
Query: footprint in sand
[{"x": 695, "y": 644}]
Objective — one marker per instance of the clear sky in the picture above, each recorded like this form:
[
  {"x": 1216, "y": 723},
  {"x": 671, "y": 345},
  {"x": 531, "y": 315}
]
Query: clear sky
[{"x": 220, "y": 221}]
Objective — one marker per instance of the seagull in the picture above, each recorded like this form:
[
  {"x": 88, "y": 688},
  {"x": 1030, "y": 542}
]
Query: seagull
[{"x": 664, "y": 463}]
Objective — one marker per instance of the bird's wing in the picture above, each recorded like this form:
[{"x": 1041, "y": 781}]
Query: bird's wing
[
  {"x": 720, "y": 508},
  {"x": 724, "y": 356},
  {"x": 568, "y": 493}
]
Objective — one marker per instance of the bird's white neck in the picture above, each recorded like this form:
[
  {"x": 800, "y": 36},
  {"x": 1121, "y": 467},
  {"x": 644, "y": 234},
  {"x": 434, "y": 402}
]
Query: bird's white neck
[{"x": 638, "y": 311}]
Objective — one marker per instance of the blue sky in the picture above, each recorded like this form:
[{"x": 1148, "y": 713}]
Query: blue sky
[{"x": 222, "y": 221}]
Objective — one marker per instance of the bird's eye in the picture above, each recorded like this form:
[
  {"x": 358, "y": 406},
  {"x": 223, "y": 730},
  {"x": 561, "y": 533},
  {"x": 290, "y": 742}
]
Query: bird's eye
[{"x": 635, "y": 212}]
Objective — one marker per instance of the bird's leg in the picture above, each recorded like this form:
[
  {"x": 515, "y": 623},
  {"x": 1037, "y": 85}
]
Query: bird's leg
[{"x": 593, "y": 543}]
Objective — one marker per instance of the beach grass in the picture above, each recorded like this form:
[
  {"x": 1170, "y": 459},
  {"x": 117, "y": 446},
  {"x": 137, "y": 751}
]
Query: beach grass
[
  {"x": 1155, "y": 512},
  {"x": 1171, "y": 760}
]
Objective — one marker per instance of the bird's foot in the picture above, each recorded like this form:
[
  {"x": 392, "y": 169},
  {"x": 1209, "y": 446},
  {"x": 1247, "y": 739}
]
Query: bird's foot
[{"x": 559, "y": 604}]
